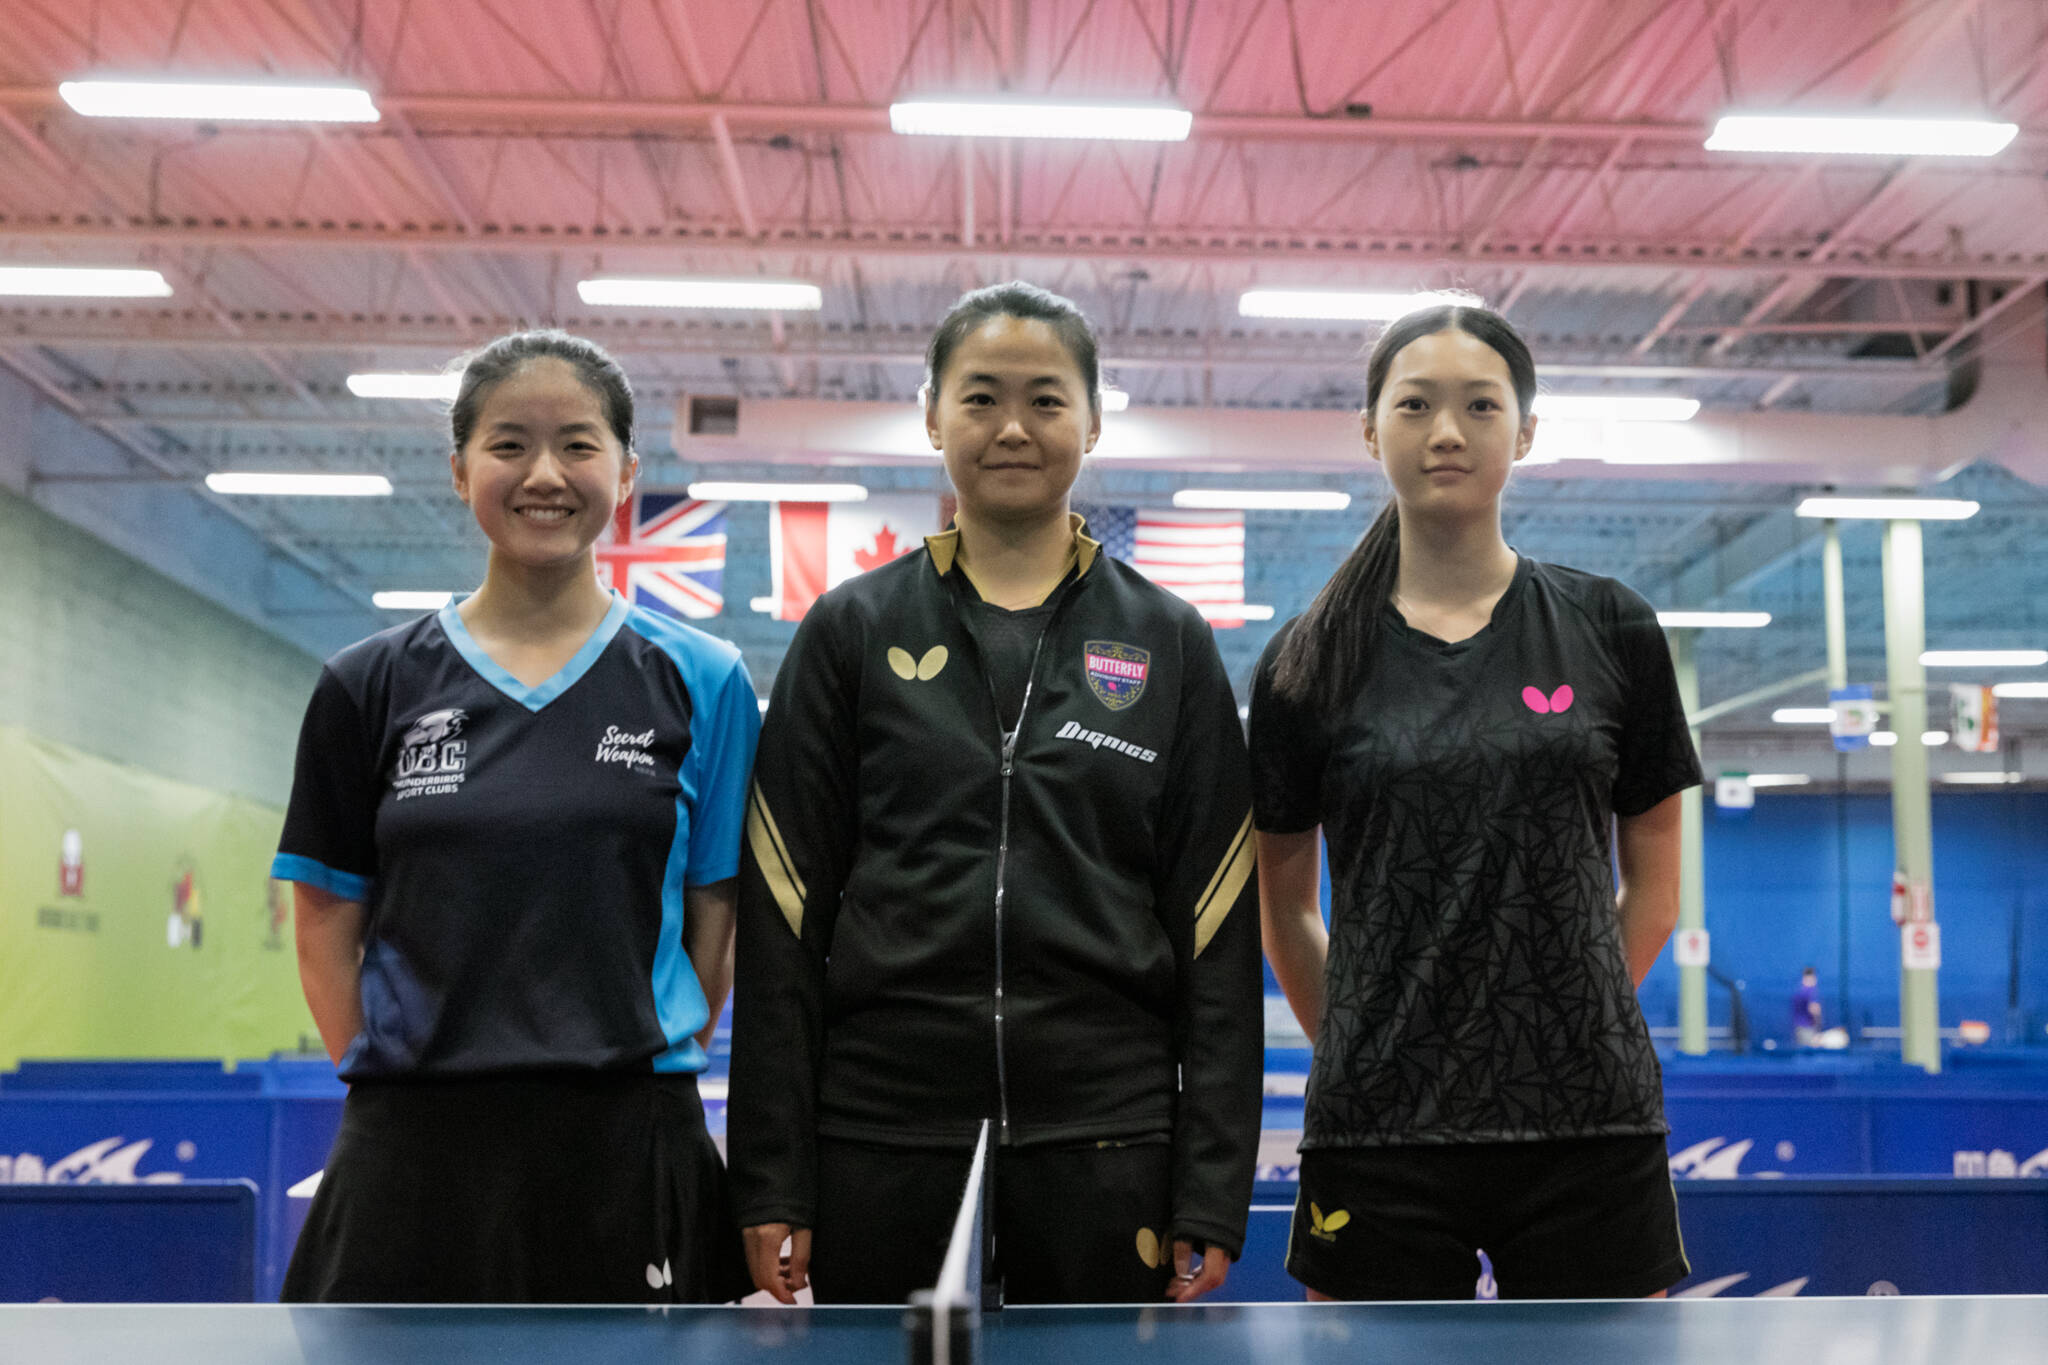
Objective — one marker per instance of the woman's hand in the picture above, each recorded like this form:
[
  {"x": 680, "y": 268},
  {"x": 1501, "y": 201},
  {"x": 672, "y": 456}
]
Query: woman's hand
[
  {"x": 773, "y": 1272},
  {"x": 1191, "y": 1281}
]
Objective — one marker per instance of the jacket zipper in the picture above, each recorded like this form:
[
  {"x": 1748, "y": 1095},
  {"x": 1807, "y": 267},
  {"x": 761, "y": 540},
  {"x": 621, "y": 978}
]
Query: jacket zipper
[{"x": 1002, "y": 865}]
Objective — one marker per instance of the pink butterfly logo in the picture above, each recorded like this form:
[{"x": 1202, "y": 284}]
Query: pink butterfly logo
[{"x": 1558, "y": 701}]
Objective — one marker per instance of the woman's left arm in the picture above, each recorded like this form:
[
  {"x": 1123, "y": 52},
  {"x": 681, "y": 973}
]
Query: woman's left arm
[
  {"x": 1647, "y": 849},
  {"x": 709, "y": 913}
]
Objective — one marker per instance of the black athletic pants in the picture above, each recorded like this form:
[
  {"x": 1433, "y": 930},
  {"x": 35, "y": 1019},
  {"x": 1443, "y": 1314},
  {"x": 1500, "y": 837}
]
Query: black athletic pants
[{"x": 1085, "y": 1223}]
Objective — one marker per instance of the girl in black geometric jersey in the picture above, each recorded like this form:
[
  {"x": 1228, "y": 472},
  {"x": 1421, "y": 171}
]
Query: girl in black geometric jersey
[{"x": 1479, "y": 738}]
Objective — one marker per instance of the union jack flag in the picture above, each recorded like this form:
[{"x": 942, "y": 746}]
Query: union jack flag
[{"x": 666, "y": 551}]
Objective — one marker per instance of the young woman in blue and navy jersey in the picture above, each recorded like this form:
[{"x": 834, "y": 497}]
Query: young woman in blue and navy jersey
[{"x": 514, "y": 829}]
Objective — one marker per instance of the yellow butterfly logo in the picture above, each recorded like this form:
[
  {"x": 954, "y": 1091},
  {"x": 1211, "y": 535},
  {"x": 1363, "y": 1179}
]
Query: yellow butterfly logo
[
  {"x": 922, "y": 670},
  {"x": 1324, "y": 1225}
]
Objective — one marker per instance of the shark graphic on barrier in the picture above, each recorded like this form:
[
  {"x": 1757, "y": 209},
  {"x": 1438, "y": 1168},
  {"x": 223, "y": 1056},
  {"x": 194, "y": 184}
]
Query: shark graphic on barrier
[
  {"x": 1711, "y": 1160},
  {"x": 106, "y": 1162}
]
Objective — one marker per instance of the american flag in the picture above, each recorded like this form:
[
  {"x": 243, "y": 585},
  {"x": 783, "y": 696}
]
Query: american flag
[
  {"x": 666, "y": 552},
  {"x": 1197, "y": 555}
]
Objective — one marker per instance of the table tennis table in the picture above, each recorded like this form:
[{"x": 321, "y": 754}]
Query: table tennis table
[{"x": 2001, "y": 1330}]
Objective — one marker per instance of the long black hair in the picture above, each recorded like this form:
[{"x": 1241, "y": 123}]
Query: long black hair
[
  {"x": 1017, "y": 300},
  {"x": 1321, "y": 660},
  {"x": 485, "y": 369}
]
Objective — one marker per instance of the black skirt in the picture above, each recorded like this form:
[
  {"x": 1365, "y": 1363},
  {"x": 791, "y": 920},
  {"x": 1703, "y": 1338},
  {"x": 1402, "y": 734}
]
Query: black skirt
[{"x": 535, "y": 1188}]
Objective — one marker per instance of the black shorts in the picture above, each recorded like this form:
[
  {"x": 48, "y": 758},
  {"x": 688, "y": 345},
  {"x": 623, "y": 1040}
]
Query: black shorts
[
  {"x": 538, "y": 1188},
  {"x": 1577, "y": 1218},
  {"x": 1073, "y": 1224}
]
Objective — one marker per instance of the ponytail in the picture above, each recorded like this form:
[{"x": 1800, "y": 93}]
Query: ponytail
[{"x": 1319, "y": 665}]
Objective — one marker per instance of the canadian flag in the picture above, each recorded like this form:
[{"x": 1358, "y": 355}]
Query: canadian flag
[{"x": 814, "y": 546}]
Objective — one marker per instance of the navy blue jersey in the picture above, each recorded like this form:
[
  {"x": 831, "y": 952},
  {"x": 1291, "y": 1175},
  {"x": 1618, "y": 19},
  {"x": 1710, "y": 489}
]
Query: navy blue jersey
[{"x": 522, "y": 851}]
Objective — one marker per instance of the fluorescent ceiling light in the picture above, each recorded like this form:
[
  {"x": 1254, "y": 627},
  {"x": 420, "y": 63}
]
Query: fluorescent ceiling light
[
  {"x": 302, "y": 485},
  {"x": 1860, "y": 136},
  {"x": 405, "y": 600},
  {"x": 1247, "y": 611},
  {"x": 1778, "y": 779},
  {"x": 1114, "y": 399},
  {"x": 1883, "y": 739},
  {"x": 1299, "y": 500},
  {"x": 1130, "y": 122},
  {"x": 1983, "y": 778},
  {"x": 1934, "y": 739},
  {"x": 1804, "y": 715},
  {"x": 1339, "y": 305},
  {"x": 1614, "y": 407},
  {"x": 778, "y": 492},
  {"x": 1984, "y": 658},
  {"x": 1889, "y": 509},
  {"x": 650, "y": 292},
  {"x": 74, "y": 282},
  {"x": 1711, "y": 620},
  {"x": 438, "y": 387},
  {"x": 2031, "y": 690},
  {"x": 220, "y": 101}
]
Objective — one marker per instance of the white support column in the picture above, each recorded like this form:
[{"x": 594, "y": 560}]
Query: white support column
[
  {"x": 1692, "y": 880},
  {"x": 1905, "y": 635}
]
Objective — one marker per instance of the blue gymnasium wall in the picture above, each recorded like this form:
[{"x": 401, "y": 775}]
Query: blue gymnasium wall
[{"x": 1773, "y": 905}]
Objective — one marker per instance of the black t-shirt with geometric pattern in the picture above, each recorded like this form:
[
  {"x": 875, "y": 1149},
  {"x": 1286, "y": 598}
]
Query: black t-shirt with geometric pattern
[{"x": 1477, "y": 988}]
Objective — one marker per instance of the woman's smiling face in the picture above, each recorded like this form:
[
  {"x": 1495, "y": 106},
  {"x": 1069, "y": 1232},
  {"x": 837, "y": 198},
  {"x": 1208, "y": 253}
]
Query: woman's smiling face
[{"x": 542, "y": 470}]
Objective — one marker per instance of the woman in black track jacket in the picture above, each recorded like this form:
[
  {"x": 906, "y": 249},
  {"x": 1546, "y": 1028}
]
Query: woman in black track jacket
[{"x": 999, "y": 866}]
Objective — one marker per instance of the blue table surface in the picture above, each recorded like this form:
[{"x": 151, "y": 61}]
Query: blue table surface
[{"x": 1871, "y": 1331}]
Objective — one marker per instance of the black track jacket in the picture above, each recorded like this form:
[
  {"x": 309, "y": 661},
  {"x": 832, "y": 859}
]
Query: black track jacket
[{"x": 932, "y": 931}]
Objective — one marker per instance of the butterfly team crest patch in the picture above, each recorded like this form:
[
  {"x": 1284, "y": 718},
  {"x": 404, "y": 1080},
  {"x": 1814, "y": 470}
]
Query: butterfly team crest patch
[{"x": 1116, "y": 672}]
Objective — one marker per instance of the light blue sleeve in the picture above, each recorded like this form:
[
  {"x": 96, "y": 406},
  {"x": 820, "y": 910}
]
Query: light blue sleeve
[{"x": 722, "y": 741}]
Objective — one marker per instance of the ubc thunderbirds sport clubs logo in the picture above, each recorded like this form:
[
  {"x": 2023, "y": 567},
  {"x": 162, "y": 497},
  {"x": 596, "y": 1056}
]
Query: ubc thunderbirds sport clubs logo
[
  {"x": 1116, "y": 672},
  {"x": 432, "y": 755}
]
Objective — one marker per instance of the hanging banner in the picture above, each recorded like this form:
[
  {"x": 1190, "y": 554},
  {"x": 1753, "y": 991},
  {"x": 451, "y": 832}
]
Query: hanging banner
[
  {"x": 137, "y": 914},
  {"x": 1855, "y": 716},
  {"x": 1975, "y": 725},
  {"x": 1732, "y": 791},
  {"x": 1689, "y": 947}
]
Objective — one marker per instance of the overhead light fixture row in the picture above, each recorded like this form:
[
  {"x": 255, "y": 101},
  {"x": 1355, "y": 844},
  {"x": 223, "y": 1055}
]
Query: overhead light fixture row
[
  {"x": 407, "y": 600},
  {"x": 623, "y": 291},
  {"x": 1614, "y": 407},
  {"x": 300, "y": 485},
  {"x": 1116, "y": 120},
  {"x": 1983, "y": 658},
  {"x": 82, "y": 282},
  {"x": 1887, "y": 508},
  {"x": 2015, "y": 691},
  {"x": 1341, "y": 305},
  {"x": 1713, "y": 620},
  {"x": 436, "y": 387},
  {"x": 1263, "y": 499},
  {"x": 778, "y": 492},
  {"x": 220, "y": 101},
  {"x": 1860, "y": 136}
]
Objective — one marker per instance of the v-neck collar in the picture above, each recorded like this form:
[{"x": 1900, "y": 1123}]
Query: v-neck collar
[
  {"x": 533, "y": 698},
  {"x": 1437, "y": 645}
]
